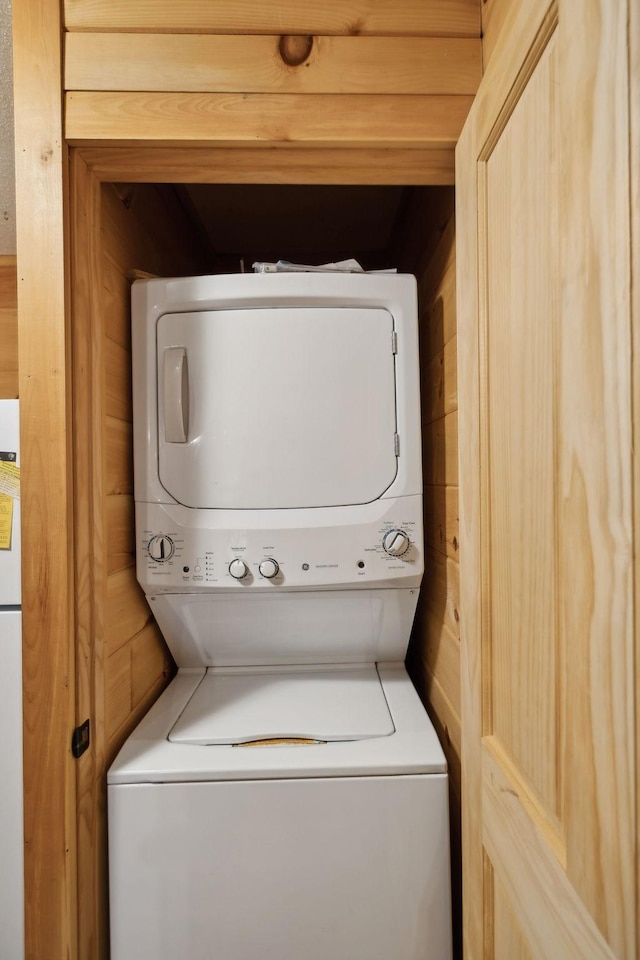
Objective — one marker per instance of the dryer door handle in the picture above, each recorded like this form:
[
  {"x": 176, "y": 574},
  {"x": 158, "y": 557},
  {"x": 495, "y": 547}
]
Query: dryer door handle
[{"x": 176, "y": 395}]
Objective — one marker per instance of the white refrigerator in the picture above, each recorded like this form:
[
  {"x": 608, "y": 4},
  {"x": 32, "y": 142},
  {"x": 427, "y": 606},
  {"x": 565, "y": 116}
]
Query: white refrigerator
[{"x": 11, "y": 808}]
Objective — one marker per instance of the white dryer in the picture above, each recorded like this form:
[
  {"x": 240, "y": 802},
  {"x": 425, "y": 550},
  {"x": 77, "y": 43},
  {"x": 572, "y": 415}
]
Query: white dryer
[{"x": 287, "y": 796}]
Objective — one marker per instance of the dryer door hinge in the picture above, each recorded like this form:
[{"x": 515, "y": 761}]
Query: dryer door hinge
[
  {"x": 80, "y": 739},
  {"x": 394, "y": 342},
  {"x": 396, "y": 444}
]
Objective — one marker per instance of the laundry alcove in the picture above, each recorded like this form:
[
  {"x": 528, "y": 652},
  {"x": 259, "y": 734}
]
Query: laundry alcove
[
  {"x": 121, "y": 109},
  {"x": 126, "y": 223}
]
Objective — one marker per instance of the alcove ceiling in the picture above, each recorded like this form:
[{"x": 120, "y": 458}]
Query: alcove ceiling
[{"x": 304, "y": 223}]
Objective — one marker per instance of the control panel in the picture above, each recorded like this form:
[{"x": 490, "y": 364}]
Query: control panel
[{"x": 177, "y": 551}]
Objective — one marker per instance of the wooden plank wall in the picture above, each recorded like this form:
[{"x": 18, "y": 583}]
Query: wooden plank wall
[
  {"x": 135, "y": 236},
  {"x": 8, "y": 328},
  {"x": 122, "y": 660},
  {"x": 349, "y": 17},
  {"x": 277, "y": 73},
  {"x": 434, "y": 653}
]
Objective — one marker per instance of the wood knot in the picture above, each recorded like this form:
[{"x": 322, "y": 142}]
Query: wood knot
[{"x": 294, "y": 50}]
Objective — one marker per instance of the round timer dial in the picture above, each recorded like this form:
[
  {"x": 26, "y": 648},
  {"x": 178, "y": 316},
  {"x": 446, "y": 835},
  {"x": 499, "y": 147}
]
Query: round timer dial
[
  {"x": 396, "y": 542},
  {"x": 161, "y": 548}
]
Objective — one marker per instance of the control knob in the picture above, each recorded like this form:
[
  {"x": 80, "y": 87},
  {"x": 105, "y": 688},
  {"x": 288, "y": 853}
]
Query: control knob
[
  {"x": 269, "y": 569},
  {"x": 161, "y": 548},
  {"x": 238, "y": 569},
  {"x": 396, "y": 542}
]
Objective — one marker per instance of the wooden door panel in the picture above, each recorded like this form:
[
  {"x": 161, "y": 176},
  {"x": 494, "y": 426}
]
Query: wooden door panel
[
  {"x": 596, "y": 467},
  {"x": 517, "y": 219},
  {"x": 545, "y": 401},
  {"x": 528, "y": 856},
  {"x": 508, "y": 942}
]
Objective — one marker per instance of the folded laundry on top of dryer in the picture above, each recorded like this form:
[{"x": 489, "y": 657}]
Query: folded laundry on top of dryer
[{"x": 341, "y": 266}]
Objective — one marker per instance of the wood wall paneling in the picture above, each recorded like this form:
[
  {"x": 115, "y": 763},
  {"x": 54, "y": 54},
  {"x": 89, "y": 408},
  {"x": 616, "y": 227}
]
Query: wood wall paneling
[
  {"x": 291, "y": 165},
  {"x": 122, "y": 660},
  {"x": 440, "y": 257},
  {"x": 116, "y": 288},
  {"x": 119, "y": 456},
  {"x": 440, "y": 656},
  {"x": 441, "y": 520},
  {"x": 118, "y": 696},
  {"x": 142, "y": 228},
  {"x": 8, "y": 328},
  {"x": 202, "y": 119},
  {"x": 119, "y": 520},
  {"x": 434, "y": 654},
  {"x": 440, "y": 451},
  {"x": 90, "y": 553},
  {"x": 135, "y": 675},
  {"x": 440, "y": 383},
  {"x": 117, "y": 363},
  {"x": 441, "y": 590},
  {"x": 129, "y": 612},
  {"x": 253, "y": 64},
  {"x": 355, "y": 17},
  {"x": 419, "y": 231},
  {"x": 439, "y": 318}
]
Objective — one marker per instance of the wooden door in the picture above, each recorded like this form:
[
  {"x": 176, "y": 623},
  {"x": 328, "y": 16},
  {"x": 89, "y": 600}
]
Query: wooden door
[{"x": 546, "y": 507}]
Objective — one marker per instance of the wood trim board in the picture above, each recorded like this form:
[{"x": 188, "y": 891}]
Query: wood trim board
[
  {"x": 49, "y": 687},
  {"x": 341, "y": 17},
  {"x": 284, "y": 163},
  {"x": 260, "y": 64},
  {"x": 203, "y": 119}
]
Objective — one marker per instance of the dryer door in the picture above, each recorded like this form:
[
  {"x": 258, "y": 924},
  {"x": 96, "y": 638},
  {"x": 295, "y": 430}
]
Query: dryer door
[{"x": 269, "y": 408}]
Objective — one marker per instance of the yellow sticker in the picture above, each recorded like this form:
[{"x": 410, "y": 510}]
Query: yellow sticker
[
  {"x": 9, "y": 479},
  {"x": 6, "y": 521}
]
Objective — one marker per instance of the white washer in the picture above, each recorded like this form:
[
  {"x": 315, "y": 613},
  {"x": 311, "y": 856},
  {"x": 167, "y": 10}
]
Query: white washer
[{"x": 287, "y": 796}]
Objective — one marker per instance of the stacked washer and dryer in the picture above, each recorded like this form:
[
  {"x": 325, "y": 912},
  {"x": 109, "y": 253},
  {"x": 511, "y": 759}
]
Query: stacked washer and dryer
[{"x": 286, "y": 796}]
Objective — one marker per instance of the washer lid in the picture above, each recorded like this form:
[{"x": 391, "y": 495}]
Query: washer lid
[{"x": 244, "y": 705}]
